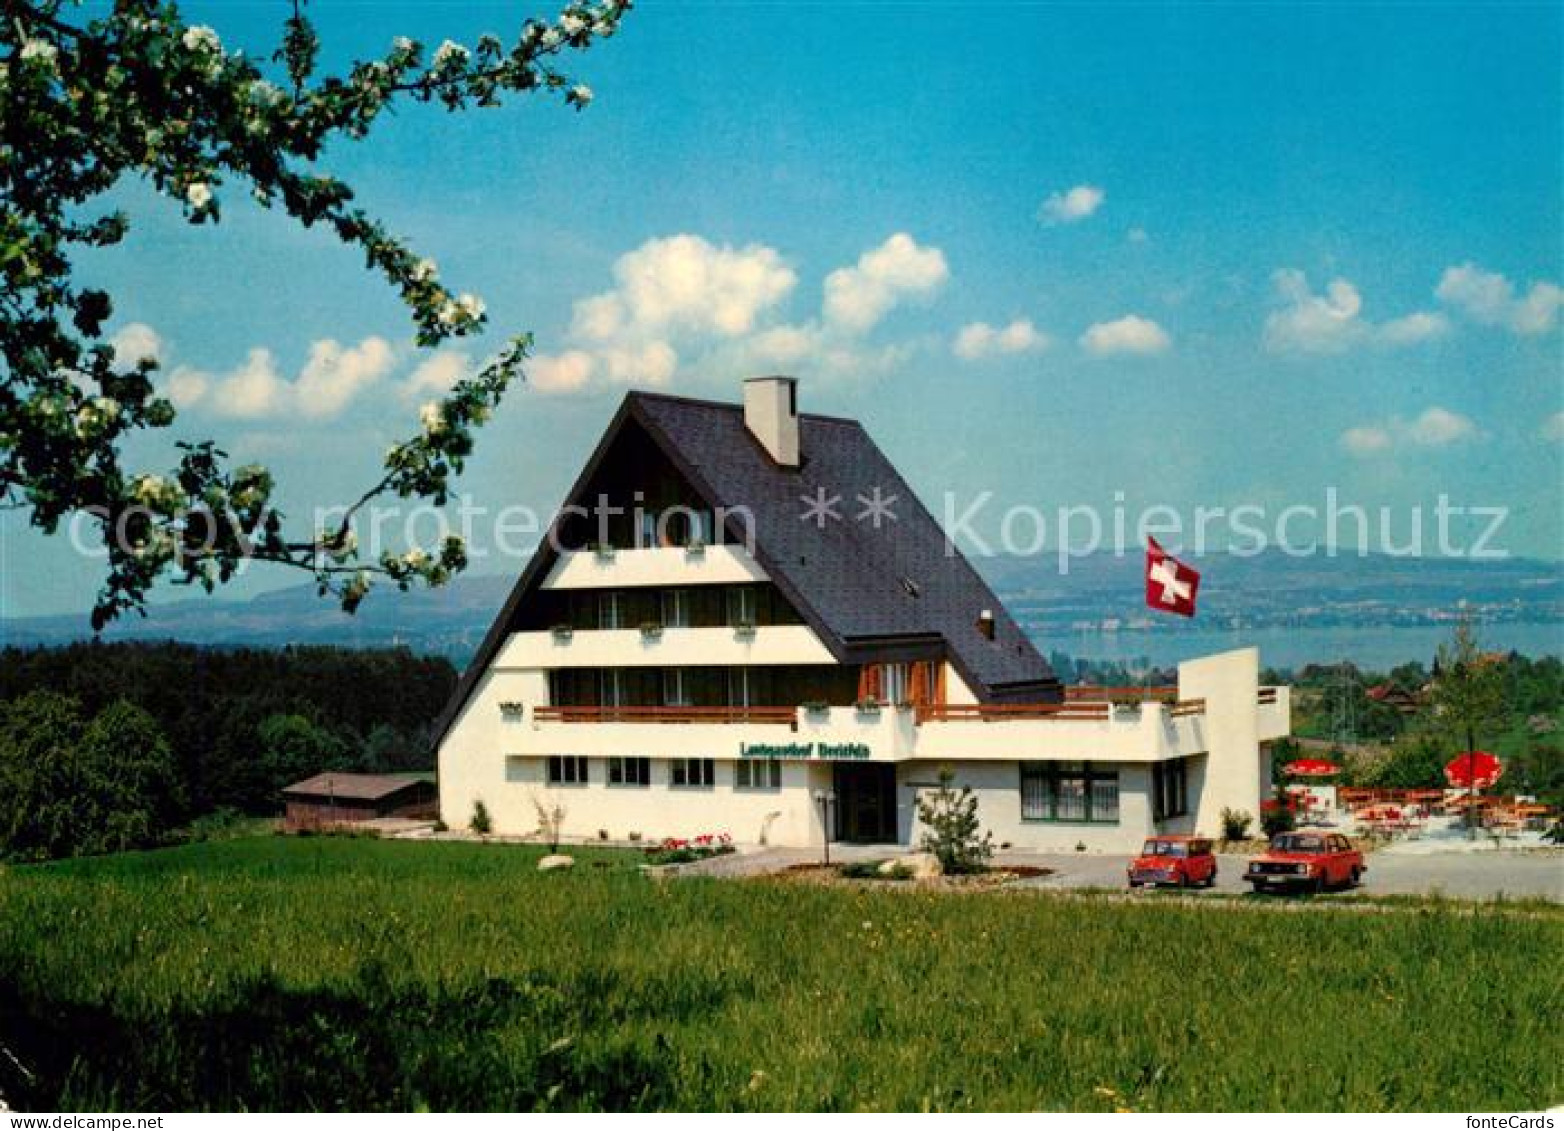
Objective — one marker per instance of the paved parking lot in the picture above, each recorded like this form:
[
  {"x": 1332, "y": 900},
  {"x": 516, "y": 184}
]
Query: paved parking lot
[{"x": 1459, "y": 875}]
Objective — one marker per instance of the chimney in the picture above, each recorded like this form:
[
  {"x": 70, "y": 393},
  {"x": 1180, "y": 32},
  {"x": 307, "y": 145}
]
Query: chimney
[
  {"x": 771, "y": 415},
  {"x": 985, "y": 624}
]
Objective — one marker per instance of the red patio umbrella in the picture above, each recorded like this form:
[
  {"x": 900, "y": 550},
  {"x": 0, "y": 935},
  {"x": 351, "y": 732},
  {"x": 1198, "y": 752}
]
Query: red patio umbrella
[
  {"x": 1476, "y": 769},
  {"x": 1311, "y": 768}
]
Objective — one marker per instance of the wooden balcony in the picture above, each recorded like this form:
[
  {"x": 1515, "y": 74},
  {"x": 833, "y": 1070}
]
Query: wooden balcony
[
  {"x": 1121, "y": 694},
  {"x": 779, "y": 715},
  {"x": 992, "y": 712}
]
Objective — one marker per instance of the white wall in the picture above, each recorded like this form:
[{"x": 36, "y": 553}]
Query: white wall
[
  {"x": 1229, "y": 682},
  {"x": 997, "y": 786}
]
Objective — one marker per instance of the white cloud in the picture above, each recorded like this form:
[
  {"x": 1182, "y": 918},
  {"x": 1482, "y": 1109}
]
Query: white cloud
[
  {"x": 1366, "y": 439},
  {"x": 681, "y": 302},
  {"x": 1438, "y": 427},
  {"x": 335, "y": 374},
  {"x": 1553, "y": 428},
  {"x": 858, "y": 297},
  {"x": 685, "y": 283},
  {"x": 186, "y": 386},
  {"x": 1313, "y": 323},
  {"x": 332, "y": 377},
  {"x": 1420, "y": 326},
  {"x": 562, "y": 373},
  {"x": 651, "y": 363},
  {"x": 1435, "y": 427},
  {"x": 1072, "y": 205},
  {"x": 1489, "y": 298},
  {"x": 1332, "y": 322},
  {"x": 979, "y": 340},
  {"x": 435, "y": 375},
  {"x": 134, "y": 341},
  {"x": 1131, "y": 334}
]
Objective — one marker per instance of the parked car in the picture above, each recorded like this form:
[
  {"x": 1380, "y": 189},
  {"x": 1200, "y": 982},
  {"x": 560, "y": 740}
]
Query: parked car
[
  {"x": 1307, "y": 860},
  {"x": 1181, "y": 860}
]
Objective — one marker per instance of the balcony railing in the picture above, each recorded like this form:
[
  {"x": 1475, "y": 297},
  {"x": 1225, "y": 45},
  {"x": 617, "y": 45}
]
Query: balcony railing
[
  {"x": 782, "y": 715},
  {"x": 989, "y": 712},
  {"x": 1267, "y": 695},
  {"x": 1183, "y": 708},
  {"x": 1120, "y": 694}
]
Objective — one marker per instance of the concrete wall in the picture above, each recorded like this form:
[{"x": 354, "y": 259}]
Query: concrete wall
[{"x": 1229, "y": 682}]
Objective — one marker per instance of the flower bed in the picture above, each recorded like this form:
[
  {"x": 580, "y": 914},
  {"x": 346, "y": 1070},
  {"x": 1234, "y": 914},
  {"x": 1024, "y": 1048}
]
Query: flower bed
[{"x": 675, "y": 850}]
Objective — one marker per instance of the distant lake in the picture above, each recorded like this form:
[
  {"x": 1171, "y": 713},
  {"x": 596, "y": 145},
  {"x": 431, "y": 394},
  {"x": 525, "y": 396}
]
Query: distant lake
[{"x": 1282, "y": 647}]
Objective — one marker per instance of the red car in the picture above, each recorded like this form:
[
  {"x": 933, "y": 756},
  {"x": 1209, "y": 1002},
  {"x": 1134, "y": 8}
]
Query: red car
[
  {"x": 1181, "y": 860},
  {"x": 1313, "y": 861}
]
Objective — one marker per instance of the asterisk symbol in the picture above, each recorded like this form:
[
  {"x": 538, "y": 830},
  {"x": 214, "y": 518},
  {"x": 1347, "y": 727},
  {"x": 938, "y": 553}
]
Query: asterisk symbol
[
  {"x": 819, "y": 507},
  {"x": 877, "y": 507}
]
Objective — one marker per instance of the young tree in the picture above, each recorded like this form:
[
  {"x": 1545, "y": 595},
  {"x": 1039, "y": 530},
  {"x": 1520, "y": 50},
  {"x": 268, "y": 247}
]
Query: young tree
[
  {"x": 138, "y": 92},
  {"x": 1468, "y": 692},
  {"x": 953, "y": 832}
]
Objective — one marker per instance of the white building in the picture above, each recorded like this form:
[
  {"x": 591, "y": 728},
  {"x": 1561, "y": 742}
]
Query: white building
[{"x": 708, "y": 643}]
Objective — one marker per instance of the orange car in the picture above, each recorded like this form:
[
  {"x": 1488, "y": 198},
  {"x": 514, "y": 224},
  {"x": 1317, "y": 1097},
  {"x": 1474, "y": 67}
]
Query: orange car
[
  {"x": 1313, "y": 861},
  {"x": 1181, "y": 860}
]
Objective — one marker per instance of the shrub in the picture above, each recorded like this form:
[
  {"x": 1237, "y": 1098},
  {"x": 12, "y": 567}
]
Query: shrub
[
  {"x": 73, "y": 787},
  {"x": 481, "y": 822},
  {"x": 551, "y": 819},
  {"x": 1276, "y": 817},
  {"x": 1235, "y": 824},
  {"x": 954, "y": 833}
]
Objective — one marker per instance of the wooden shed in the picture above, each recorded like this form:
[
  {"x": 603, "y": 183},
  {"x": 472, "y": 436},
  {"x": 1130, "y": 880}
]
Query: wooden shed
[{"x": 343, "y": 799}]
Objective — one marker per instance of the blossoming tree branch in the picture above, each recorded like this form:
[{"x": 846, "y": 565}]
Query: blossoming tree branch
[{"x": 138, "y": 92}]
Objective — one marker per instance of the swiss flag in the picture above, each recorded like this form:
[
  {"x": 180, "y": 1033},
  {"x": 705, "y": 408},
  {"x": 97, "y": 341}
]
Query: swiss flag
[{"x": 1170, "y": 584}]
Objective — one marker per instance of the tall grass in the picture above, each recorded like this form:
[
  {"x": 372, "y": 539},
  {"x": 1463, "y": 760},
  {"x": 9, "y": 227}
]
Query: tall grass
[{"x": 324, "y": 973}]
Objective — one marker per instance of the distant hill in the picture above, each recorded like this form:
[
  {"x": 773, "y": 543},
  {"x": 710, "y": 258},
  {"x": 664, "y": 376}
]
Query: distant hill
[{"x": 1271, "y": 589}]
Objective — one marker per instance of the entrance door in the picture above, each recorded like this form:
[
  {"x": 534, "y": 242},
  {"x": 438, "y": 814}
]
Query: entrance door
[{"x": 865, "y": 802}]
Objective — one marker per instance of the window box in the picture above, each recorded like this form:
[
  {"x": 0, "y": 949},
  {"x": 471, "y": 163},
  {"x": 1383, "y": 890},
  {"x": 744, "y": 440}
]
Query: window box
[
  {"x": 817, "y": 707},
  {"x": 868, "y": 706},
  {"x": 512, "y": 709},
  {"x": 744, "y": 630},
  {"x": 603, "y": 551},
  {"x": 695, "y": 548},
  {"x": 651, "y": 630},
  {"x": 562, "y": 633}
]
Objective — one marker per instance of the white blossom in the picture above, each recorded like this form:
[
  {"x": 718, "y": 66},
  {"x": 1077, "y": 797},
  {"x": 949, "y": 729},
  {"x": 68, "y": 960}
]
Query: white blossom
[
  {"x": 415, "y": 558},
  {"x": 424, "y": 270},
  {"x": 472, "y": 306},
  {"x": 199, "y": 194},
  {"x": 40, "y": 50},
  {"x": 551, "y": 38},
  {"x": 448, "y": 53},
  {"x": 572, "y": 24},
  {"x": 432, "y": 417},
  {"x": 201, "y": 38},
  {"x": 581, "y": 93},
  {"x": 403, "y": 45},
  {"x": 266, "y": 93}
]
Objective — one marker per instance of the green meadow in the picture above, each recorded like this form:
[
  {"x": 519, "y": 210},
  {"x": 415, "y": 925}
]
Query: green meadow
[{"x": 325, "y": 973}]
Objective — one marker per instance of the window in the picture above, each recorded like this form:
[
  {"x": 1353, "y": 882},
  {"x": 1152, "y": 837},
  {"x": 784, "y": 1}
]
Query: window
[
  {"x": 894, "y": 683},
  {"x": 610, "y": 611},
  {"x": 610, "y": 687},
  {"x": 676, "y": 608},
  {"x": 691, "y": 773},
  {"x": 646, "y": 536},
  {"x": 741, "y": 605},
  {"x": 676, "y": 688},
  {"x": 738, "y": 687},
  {"x": 567, "y": 769},
  {"x": 1169, "y": 789},
  {"x": 1069, "y": 791},
  {"x": 758, "y": 773},
  {"x": 630, "y": 771}
]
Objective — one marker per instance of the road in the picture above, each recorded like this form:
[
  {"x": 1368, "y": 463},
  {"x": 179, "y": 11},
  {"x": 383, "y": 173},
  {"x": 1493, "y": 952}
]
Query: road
[{"x": 1457, "y": 875}]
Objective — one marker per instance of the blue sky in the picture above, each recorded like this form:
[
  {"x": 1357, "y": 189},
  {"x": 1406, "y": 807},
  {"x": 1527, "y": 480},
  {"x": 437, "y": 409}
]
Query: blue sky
[{"x": 1291, "y": 247}]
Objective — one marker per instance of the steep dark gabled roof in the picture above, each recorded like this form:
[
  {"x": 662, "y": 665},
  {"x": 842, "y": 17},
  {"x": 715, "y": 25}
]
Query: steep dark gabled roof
[
  {"x": 860, "y": 582},
  {"x": 864, "y": 590}
]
